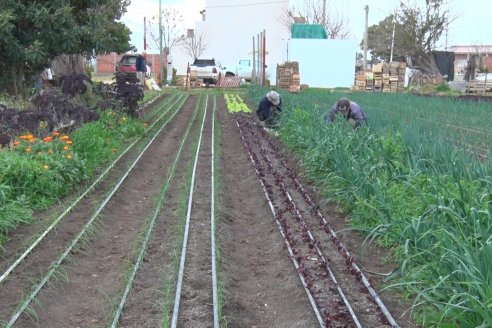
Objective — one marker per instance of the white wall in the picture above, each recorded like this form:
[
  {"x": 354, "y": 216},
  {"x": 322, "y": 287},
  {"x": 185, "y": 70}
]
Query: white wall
[
  {"x": 229, "y": 28},
  {"x": 324, "y": 63}
]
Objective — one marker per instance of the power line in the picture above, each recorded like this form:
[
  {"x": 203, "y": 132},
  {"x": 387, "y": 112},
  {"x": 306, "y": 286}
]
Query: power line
[{"x": 249, "y": 4}]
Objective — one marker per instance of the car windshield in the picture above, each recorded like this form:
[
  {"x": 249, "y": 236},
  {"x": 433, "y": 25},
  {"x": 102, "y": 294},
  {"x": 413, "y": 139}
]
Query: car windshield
[
  {"x": 204, "y": 62},
  {"x": 129, "y": 60}
]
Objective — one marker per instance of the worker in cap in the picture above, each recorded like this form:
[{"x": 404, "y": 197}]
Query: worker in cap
[
  {"x": 350, "y": 110},
  {"x": 269, "y": 108}
]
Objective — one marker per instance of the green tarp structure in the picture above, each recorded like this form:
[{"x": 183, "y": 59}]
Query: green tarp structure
[{"x": 308, "y": 31}]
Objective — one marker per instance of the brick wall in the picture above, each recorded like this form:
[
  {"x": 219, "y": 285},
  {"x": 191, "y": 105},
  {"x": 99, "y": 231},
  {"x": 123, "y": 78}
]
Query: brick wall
[
  {"x": 105, "y": 64},
  {"x": 488, "y": 62}
]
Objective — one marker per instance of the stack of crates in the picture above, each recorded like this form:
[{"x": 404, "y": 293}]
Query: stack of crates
[
  {"x": 401, "y": 76},
  {"x": 377, "y": 71},
  {"x": 288, "y": 76},
  {"x": 369, "y": 81},
  {"x": 386, "y": 77},
  {"x": 382, "y": 77},
  {"x": 360, "y": 82},
  {"x": 393, "y": 71}
]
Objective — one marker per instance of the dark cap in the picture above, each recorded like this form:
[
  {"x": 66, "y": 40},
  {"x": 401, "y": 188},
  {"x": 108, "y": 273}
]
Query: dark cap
[{"x": 343, "y": 104}]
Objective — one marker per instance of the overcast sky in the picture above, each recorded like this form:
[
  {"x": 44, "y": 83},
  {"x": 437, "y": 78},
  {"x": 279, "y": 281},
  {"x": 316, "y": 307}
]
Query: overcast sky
[{"x": 471, "y": 26}]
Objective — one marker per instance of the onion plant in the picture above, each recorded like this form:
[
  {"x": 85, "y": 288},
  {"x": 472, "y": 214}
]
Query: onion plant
[{"x": 411, "y": 181}]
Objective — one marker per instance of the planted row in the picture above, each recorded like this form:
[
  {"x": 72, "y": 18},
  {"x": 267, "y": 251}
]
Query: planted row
[
  {"x": 430, "y": 203},
  {"x": 235, "y": 103}
]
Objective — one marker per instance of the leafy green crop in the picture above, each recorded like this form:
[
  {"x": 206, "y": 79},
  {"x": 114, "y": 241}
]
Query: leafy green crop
[
  {"x": 412, "y": 181},
  {"x": 235, "y": 103}
]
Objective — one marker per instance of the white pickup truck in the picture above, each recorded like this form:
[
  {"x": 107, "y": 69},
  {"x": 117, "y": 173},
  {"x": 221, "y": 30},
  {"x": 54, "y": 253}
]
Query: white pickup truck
[{"x": 206, "y": 69}]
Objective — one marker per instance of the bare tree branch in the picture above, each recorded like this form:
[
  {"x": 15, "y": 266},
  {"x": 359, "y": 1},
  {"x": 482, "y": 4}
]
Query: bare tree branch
[
  {"x": 193, "y": 45},
  {"x": 172, "y": 28},
  {"x": 311, "y": 12}
]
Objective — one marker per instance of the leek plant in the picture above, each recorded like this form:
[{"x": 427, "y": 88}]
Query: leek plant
[{"x": 408, "y": 182}]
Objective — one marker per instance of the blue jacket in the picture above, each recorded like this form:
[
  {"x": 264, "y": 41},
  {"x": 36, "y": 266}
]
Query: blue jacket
[
  {"x": 140, "y": 64},
  {"x": 355, "y": 112},
  {"x": 263, "y": 112}
]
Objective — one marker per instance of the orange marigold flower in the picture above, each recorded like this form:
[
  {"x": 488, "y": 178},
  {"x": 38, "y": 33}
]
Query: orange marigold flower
[
  {"x": 69, "y": 142},
  {"x": 56, "y": 133},
  {"x": 23, "y": 137},
  {"x": 65, "y": 137},
  {"x": 16, "y": 143},
  {"x": 30, "y": 136},
  {"x": 66, "y": 148},
  {"x": 47, "y": 139}
]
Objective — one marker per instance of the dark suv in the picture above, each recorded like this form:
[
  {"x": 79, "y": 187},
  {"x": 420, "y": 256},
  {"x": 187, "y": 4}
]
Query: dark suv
[{"x": 127, "y": 64}]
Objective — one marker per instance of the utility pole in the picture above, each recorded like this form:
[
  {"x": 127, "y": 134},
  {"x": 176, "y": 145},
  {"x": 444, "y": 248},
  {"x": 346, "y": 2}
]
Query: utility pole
[
  {"x": 392, "y": 40},
  {"x": 145, "y": 33},
  {"x": 263, "y": 60},
  {"x": 258, "y": 76},
  {"x": 253, "y": 74},
  {"x": 366, "y": 8},
  {"x": 447, "y": 26},
  {"x": 160, "y": 43}
]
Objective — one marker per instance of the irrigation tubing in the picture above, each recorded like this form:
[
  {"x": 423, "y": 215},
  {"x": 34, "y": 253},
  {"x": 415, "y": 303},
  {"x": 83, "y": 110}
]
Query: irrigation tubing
[
  {"x": 177, "y": 298},
  {"x": 305, "y": 229},
  {"x": 212, "y": 224},
  {"x": 150, "y": 228},
  {"x": 340, "y": 245},
  {"x": 267, "y": 191},
  {"x": 69, "y": 208},
  {"x": 72, "y": 244}
]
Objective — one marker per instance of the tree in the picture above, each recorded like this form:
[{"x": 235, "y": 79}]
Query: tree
[
  {"x": 172, "y": 29},
  {"x": 194, "y": 45},
  {"x": 315, "y": 12},
  {"x": 32, "y": 33},
  {"x": 417, "y": 30}
]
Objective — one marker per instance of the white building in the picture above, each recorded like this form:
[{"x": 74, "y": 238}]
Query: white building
[{"x": 229, "y": 26}]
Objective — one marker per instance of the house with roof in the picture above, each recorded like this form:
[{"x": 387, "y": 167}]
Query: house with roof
[{"x": 482, "y": 55}]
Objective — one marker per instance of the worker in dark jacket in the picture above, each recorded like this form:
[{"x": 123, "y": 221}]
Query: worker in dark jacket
[
  {"x": 353, "y": 112},
  {"x": 141, "y": 66},
  {"x": 269, "y": 108}
]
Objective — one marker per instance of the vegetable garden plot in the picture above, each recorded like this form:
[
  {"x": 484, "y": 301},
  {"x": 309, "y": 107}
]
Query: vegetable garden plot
[
  {"x": 95, "y": 276},
  {"x": 336, "y": 307},
  {"x": 410, "y": 189},
  {"x": 38, "y": 265}
]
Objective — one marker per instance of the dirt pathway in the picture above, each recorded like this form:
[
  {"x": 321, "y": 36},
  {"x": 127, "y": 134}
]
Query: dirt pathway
[{"x": 261, "y": 286}]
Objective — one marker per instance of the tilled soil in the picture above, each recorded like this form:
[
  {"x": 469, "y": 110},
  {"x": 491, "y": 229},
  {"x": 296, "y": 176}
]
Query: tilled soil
[
  {"x": 261, "y": 286},
  {"x": 259, "y": 283}
]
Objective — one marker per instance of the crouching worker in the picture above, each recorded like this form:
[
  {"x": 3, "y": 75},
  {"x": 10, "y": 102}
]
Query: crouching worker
[
  {"x": 350, "y": 110},
  {"x": 269, "y": 108}
]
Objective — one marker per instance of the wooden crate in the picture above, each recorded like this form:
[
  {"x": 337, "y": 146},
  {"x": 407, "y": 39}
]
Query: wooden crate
[{"x": 479, "y": 87}]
